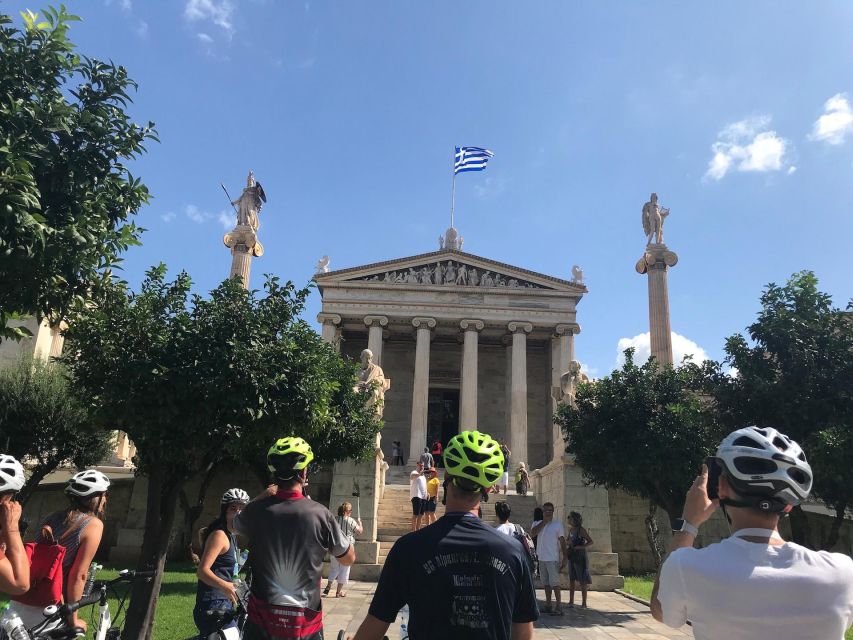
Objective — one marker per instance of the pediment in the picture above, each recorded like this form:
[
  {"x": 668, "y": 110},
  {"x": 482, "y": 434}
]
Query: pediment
[{"x": 447, "y": 268}]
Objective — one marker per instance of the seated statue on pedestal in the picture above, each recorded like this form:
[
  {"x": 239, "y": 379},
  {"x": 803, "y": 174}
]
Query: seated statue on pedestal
[{"x": 372, "y": 378}]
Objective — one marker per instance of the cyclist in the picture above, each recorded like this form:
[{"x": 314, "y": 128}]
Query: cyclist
[
  {"x": 14, "y": 566},
  {"x": 218, "y": 565},
  {"x": 289, "y": 536},
  {"x": 79, "y": 529},
  {"x": 460, "y": 577},
  {"x": 753, "y": 584}
]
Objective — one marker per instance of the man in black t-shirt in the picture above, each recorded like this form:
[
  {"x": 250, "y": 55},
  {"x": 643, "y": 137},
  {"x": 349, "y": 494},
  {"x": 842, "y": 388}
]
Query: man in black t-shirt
[{"x": 460, "y": 577}]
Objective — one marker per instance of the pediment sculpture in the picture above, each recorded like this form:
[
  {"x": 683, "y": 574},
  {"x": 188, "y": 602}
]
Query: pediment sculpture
[{"x": 449, "y": 272}]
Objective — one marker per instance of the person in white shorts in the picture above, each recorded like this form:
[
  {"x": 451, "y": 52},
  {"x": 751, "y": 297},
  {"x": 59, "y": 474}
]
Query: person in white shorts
[
  {"x": 753, "y": 584},
  {"x": 550, "y": 547}
]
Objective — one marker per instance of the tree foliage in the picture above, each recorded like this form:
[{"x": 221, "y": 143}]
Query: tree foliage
[
  {"x": 65, "y": 192},
  {"x": 643, "y": 429},
  {"x": 193, "y": 380},
  {"x": 44, "y": 423},
  {"x": 793, "y": 373}
]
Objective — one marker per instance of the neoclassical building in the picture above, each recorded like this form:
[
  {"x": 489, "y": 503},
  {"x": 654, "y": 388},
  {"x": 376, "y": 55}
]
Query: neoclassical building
[{"x": 466, "y": 342}]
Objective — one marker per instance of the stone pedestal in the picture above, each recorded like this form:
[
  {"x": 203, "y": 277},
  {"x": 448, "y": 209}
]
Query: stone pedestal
[
  {"x": 243, "y": 242},
  {"x": 656, "y": 262}
]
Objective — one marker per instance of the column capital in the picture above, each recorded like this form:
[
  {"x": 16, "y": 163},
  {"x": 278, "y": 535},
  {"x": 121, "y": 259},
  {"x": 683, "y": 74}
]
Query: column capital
[
  {"x": 656, "y": 256},
  {"x": 417, "y": 322},
  {"x": 328, "y": 318},
  {"x": 517, "y": 327},
  {"x": 568, "y": 329},
  {"x": 471, "y": 325},
  {"x": 381, "y": 321}
]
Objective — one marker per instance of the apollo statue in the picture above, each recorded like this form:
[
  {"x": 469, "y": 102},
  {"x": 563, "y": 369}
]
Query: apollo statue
[{"x": 653, "y": 219}]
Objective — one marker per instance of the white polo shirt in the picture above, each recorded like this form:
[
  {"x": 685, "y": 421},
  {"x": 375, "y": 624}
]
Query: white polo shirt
[
  {"x": 417, "y": 486},
  {"x": 740, "y": 590}
]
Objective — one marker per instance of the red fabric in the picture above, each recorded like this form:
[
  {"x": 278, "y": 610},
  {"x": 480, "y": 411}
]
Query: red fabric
[
  {"x": 281, "y": 494},
  {"x": 45, "y": 574},
  {"x": 284, "y": 622}
]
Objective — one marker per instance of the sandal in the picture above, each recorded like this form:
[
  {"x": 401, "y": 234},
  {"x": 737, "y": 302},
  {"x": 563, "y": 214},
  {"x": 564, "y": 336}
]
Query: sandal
[
  {"x": 326, "y": 591},
  {"x": 341, "y": 594}
]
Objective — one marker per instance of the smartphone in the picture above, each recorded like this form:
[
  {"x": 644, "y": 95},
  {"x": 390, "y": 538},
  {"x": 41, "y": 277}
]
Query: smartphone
[{"x": 714, "y": 471}]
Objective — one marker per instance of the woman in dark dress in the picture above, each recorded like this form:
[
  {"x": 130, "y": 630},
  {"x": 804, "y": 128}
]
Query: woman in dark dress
[{"x": 578, "y": 542}]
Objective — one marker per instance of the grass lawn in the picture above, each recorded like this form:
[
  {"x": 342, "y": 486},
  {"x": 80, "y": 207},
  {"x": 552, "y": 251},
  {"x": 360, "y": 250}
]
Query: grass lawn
[
  {"x": 174, "y": 609},
  {"x": 641, "y": 586}
]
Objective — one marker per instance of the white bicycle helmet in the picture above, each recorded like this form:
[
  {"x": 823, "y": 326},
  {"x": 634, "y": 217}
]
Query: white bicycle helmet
[
  {"x": 11, "y": 474},
  {"x": 87, "y": 483},
  {"x": 235, "y": 495},
  {"x": 766, "y": 468}
]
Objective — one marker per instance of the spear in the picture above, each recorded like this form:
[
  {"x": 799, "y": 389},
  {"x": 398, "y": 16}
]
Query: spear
[{"x": 230, "y": 201}]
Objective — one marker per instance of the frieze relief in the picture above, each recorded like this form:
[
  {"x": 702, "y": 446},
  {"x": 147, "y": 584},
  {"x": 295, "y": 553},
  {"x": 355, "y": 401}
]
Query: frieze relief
[{"x": 448, "y": 272}]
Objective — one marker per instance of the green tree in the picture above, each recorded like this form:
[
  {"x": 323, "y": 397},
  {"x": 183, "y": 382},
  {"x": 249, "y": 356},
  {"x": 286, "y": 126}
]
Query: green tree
[
  {"x": 43, "y": 422},
  {"x": 65, "y": 192},
  {"x": 645, "y": 430},
  {"x": 793, "y": 374},
  {"x": 193, "y": 380}
]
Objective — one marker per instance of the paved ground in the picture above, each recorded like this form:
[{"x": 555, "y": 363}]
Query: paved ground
[{"x": 609, "y": 617}]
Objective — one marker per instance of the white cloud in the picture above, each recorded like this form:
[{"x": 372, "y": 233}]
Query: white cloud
[
  {"x": 681, "y": 347},
  {"x": 226, "y": 220},
  {"x": 142, "y": 29},
  {"x": 204, "y": 38},
  {"x": 196, "y": 215},
  {"x": 490, "y": 187},
  {"x": 747, "y": 145},
  {"x": 836, "y": 122},
  {"x": 126, "y": 5},
  {"x": 219, "y": 12},
  {"x": 791, "y": 169},
  {"x": 168, "y": 216}
]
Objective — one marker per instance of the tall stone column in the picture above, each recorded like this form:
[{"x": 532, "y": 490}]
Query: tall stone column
[
  {"x": 656, "y": 262},
  {"x": 468, "y": 400},
  {"x": 374, "y": 337},
  {"x": 518, "y": 392},
  {"x": 420, "y": 387},
  {"x": 331, "y": 328},
  {"x": 562, "y": 352},
  {"x": 243, "y": 242}
]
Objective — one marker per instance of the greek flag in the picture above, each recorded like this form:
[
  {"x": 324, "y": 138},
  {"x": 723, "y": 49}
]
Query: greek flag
[{"x": 471, "y": 159}]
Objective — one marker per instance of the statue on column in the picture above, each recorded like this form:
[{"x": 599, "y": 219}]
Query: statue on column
[
  {"x": 653, "y": 219},
  {"x": 371, "y": 379},
  {"x": 250, "y": 202}
]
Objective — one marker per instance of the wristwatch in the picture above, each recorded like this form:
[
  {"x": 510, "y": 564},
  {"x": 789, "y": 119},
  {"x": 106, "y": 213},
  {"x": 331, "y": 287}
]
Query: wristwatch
[{"x": 680, "y": 525}]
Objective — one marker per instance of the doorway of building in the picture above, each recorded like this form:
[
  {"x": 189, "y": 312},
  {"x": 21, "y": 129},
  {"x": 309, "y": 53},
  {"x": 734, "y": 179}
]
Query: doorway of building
[{"x": 442, "y": 416}]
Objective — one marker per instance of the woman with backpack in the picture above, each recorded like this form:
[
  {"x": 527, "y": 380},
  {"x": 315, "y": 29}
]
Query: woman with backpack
[
  {"x": 73, "y": 533},
  {"x": 218, "y": 565},
  {"x": 337, "y": 571}
]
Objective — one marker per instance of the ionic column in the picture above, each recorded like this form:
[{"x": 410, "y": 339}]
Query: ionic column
[
  {"x": 331, "y": 328},
  {"x": 468, "y": 400},
  {"x": 374, "y": 338},
  {"x": 562, "y": 353},
  {"x": 518, "y": 392},
  {"x": 420, "y": 387},
  {"x": 656, "y": 262}
]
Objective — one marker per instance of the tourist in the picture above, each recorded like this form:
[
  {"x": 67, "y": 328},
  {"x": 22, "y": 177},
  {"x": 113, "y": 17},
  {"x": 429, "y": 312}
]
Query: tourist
[
  {"x": 14, "y": 565},
  {"x": 436, "y": 453},
  {"x": 503, "y": 483},
  {"x": 426, "y": 459},
  {"x": 337, "y": 571},
  {"x": 550, "y": 547},
  {"x": 579, "y": 541},
  {"x": 78, "y": 528},
  {"x": 396, "y": 453},
  {"x": 417, "y": 494},
  {"x": 502, "y": 511},
  {"x": 537, "y": 518},
  {"x": 432, "y": 485},
  {"x": 522, "y": 480},
  {"x": 459, "y": 577},
  {"x": 400, "y": 454},
  {"x": 753, "y": 584},
  {"x": 289, "y": 535},
  {"x": 218, "y": 565}
]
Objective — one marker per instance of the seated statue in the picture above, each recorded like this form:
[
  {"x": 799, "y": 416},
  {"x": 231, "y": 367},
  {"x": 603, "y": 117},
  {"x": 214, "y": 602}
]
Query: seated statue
[{"x": 372, "y": 379}]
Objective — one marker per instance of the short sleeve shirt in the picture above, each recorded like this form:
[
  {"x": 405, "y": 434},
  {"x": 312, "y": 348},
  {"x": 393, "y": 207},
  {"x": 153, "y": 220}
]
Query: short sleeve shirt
[
  {"x": 432, "y": 487},
  {"x": 740, "y": 590},
  {"x": 462, "y": 580},
  {"x": 548, "y": 541},
  {"x": 288, "y": 537}
]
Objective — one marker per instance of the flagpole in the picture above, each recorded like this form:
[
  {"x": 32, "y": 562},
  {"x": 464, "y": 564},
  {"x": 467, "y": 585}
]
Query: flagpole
[{"x": 453, "y": 189}]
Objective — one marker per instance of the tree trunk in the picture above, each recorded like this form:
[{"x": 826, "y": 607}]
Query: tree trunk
[
  {"x": 159, "y": 519},
  {"x": 192, "y": 512},
  {"x": 653, "y": 534},
  {"x": 39, "y": 472},
  {"x": 800, "y": 529},
  {"x": 835, "y": 530}
]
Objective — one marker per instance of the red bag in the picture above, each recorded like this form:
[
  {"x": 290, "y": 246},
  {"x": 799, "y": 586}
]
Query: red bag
[{"x": 46, "y": 579}]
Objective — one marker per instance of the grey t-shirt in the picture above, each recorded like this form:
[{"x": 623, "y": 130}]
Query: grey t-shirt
[
  {"x": 288, "y": 538},
  {"x": 426, "y": 458}
]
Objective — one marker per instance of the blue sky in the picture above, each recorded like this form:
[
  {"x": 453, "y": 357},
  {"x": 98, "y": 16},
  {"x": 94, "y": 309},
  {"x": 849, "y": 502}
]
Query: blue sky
[{"x": 736, "y": 113}]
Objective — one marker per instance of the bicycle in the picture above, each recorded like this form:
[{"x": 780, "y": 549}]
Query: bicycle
[{"x": 239, "y": 613}]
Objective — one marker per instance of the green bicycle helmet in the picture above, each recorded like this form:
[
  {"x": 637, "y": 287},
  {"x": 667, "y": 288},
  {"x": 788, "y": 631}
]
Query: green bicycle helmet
[
  {"x": 475, "y": 457},
  {"x": 288, "y": 455}
]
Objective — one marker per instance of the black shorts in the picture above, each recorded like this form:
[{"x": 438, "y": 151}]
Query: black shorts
[
  {"x": 417, "y": 506},
  {"x": 429, "y": 505}
]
